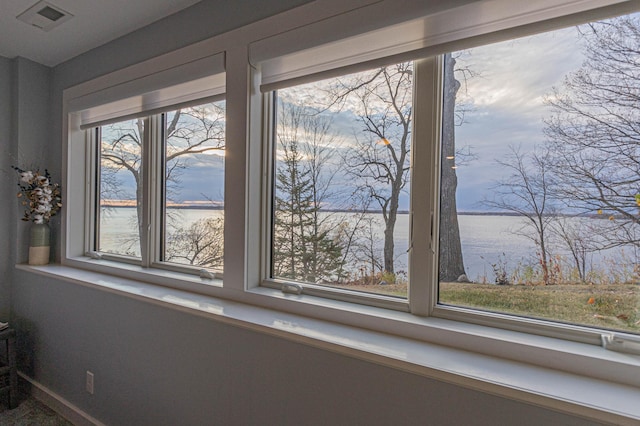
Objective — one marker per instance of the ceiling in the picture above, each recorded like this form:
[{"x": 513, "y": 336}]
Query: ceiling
[{"x": 94, "y": 22}]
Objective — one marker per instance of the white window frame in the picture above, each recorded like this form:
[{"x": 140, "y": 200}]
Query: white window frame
[
  {"x": 423, "y": 297},
  {"x": 153, "y": 174},
  {"x": 424, "y": 244},
  {"x": 426, "y": 105},
  {"x": 176, "y": 80}
]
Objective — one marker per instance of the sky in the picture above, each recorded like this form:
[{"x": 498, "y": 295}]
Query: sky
[{"x": 506, "y": 97}]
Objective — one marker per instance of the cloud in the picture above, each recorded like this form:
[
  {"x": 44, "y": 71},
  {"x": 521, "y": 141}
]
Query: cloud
[
  {"x": 506, "y": 96},
  {"x": 518, "y": 72}
]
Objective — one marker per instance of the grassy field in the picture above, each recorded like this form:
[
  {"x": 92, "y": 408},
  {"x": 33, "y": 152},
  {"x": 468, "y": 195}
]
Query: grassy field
[
  {"x": 606, "y": 306},
  {"x": 615, "y": 307}
]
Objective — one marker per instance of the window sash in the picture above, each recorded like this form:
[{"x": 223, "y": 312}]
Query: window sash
[
  {"x": 421, "y": 257},
  {"x": 94, "y": 137},
  {"x": 158, "y": 232}
]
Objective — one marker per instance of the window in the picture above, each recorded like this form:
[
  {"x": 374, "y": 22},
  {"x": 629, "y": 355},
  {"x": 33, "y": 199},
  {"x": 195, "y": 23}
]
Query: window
[
  {"x": 544, "y": 154},
  {"x": 530, "y": 167},
  {"x": 179, "y": 221},
  {"x": 379, "y": 168},
  {"x": 119, "y": 177},
  {"x": 144, "y": 163},
  {"x": 342, "y": 151}
]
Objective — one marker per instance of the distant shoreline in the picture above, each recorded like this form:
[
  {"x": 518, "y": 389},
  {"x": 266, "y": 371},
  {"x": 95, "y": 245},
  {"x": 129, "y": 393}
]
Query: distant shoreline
[{"x": 180, "y": 207}]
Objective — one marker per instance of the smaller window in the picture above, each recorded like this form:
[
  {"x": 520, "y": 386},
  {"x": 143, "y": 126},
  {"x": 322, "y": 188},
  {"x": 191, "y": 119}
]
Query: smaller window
[
  {"x": 160, "y": 194},
  {"x": 193, "y": 206},
  {"x": 120, "y": 180}
]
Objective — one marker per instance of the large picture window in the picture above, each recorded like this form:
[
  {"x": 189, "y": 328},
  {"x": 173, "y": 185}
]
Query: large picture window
[
  {"x": 536, "y": 188},
  {"x": 540, "y": 135}
]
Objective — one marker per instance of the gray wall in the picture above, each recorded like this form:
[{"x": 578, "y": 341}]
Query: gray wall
[
  {"x": 156, "y": 366},
  {"x": 7, "y": 222},
  {"x": 25, "y": 141},
  {"x": 34, "y": 145}
]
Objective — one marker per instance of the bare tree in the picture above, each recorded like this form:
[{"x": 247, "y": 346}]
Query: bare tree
[
  {"x": 380, "y": 161},
  {"x": 188, "y": 132},
  {"x": 526, "y": 191},
  {"x": 357, "y": 231},
  {"x": 366, "y": 253},
  {"x": 200, "y": 244},
  {"x": 594, "y": 129},
  {"x": 577, "y": 239}
]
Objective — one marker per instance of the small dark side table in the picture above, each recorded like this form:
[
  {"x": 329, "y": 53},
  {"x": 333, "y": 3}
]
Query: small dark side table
[{"x": 8, "y": 371}]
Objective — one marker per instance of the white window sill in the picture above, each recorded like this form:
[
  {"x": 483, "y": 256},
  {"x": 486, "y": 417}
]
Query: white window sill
[
  {"x": 597, "y": 398},
  {"x": 136, "y": 273}
]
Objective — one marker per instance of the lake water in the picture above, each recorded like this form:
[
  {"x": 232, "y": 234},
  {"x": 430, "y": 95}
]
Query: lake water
[{"x": 486, "y": 239}]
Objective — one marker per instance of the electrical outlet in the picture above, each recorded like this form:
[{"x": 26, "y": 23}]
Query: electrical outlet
[{"x": 89, "y": 384}]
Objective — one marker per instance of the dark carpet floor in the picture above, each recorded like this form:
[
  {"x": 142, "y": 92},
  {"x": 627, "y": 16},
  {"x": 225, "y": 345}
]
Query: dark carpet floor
[{"x": 30, "y": 412}]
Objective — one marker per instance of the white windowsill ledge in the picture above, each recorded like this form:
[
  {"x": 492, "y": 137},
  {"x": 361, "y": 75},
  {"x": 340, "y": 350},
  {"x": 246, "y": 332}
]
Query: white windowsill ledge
[{"x": 587, "y": 397}]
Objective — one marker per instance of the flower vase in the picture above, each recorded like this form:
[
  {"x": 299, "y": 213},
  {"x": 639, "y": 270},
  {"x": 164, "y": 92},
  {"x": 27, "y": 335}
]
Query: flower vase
[{"x": 39, "y": 244}]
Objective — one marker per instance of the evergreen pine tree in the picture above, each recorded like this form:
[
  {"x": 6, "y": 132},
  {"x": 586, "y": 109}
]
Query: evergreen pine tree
[{"x": 303, "y": 247}]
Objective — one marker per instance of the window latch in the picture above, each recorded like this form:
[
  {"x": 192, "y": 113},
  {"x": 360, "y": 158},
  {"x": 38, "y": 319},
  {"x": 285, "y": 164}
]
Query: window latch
[
  {"x": 94, "y": 255},
  {"x": 620, "y": 343},
  {"x": 431, "y": 241},
  {"x": 291, "y": 288},
  {"x": 206, "y": 274}
]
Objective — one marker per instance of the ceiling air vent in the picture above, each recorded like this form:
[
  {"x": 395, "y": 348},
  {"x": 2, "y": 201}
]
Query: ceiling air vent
[{"x": 44, "y": 15}]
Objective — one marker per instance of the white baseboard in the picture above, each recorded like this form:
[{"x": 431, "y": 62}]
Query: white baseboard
[{"x": 60, "y": 405}]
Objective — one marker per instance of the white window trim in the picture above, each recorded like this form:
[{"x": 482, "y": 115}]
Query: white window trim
[
  {"x": 244, "y": 261},
  {"x": 153, "y": 144},
  {"x": 423, "y": 247}
]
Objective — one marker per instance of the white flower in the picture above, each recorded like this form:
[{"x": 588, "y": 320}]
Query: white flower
[
  {"x": 39, "y": 195},
  {"x": 26, "y": 176}
]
